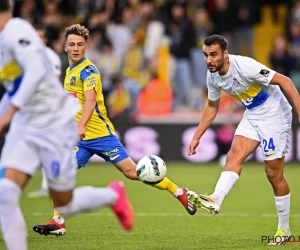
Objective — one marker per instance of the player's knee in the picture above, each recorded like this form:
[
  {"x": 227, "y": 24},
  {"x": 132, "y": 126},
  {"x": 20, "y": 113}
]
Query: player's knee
[
  {"x": 130, "y": 173},
  {"x": 10, "y": 193},
  {"x": 233, "y": 156},
  {"x": 274, "y": 175}
]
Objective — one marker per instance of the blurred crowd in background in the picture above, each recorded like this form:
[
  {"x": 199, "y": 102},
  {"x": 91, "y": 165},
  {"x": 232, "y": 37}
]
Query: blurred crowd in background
[{"x": 149, "y": 53}]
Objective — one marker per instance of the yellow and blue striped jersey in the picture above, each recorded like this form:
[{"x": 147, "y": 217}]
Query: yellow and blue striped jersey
[
  {"x": 81, "y": 77},
  {"x": 248, "y": 81}
]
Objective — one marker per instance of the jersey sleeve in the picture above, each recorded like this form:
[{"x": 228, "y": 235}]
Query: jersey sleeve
[
  {"x": 90, "y": 78},
  {"x": 22, "y": 42},
  {"x": 55, "y": 61},
  {"x": 214, "y": 93},
  {"x": 29, "y": 52},
  {"x": 255, "y": 72}
]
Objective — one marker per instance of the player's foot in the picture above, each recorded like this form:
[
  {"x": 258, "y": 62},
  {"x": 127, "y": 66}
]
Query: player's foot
[
  {"x": 52, "y": 227},
  {"x": 205, "y": 202},
  {"x": 189, "y": 206},
  {"x": 281, "y": 237},
  {"x": 122, "y": 207},
  {"x": 38, "y": 193}
]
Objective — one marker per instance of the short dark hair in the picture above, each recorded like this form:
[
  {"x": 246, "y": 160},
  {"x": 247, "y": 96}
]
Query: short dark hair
[
  {"x": 5, "y": 5},
  {"x": 217, "y": 39}
]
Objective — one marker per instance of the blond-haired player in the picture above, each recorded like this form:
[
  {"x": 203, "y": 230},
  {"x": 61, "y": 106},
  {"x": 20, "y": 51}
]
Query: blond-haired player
[{"x": 96, "y": 131}]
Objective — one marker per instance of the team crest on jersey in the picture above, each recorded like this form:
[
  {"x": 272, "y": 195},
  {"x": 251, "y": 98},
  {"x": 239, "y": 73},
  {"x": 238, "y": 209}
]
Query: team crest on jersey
[{"x": 73, "y": 81}]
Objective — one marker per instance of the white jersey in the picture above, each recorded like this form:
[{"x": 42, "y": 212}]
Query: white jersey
[
  {"x": 55, "y": 60},
  {"x": 248, "y": 81},
  {"x": 40, "y": 97}
]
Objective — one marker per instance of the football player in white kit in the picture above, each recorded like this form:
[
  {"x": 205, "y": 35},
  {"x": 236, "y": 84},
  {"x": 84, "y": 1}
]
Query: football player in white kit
[
  {"x": 42, "y": 132},
  {"x": 266, "y": 123},
  {"x": 56, "y": 62}
]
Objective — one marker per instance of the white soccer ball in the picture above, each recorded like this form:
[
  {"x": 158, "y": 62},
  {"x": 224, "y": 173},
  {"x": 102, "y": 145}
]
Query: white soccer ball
[{"x": 151, "y": 169}]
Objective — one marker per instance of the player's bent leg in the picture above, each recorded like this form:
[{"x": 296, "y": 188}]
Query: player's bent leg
[
  {"x": 274, "y": 172},
  {"x": 43, "y": 191},
  {"x": 12, "y": 222},
  {"x": 128, "y": 168},
  {"x": 57, "y": 225},
  {"x": 241, "y": 148},
  {"x": 88, "y": 198}
]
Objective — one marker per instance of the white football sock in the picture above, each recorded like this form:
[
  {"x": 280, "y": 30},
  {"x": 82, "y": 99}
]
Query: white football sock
[
  {"x": 283, "y": 210},
  {"x": 179, "y": 191},
  {"x": 224, "y": 185},
  {"x": 12, "y": 222},
  {"x": 44, "y": 182},
  {"x": 58, "y": 219},
  {"x": 88, "y": 198}
]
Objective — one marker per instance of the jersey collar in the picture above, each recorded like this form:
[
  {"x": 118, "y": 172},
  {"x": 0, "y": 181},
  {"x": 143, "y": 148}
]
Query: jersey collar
[{"x": 74, "y": 65}]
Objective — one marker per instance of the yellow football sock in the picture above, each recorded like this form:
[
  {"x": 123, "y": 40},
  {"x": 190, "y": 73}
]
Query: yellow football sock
[
  {"x": 55, "y": 213},
  {"x": 166, "y": 184}
]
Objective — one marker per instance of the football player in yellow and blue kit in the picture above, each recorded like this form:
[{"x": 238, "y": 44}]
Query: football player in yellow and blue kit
[{"x": 96, "y": 132}]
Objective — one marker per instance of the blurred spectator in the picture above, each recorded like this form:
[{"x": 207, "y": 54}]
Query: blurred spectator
[
  {"x": 118, "y": 100},
  {"x": 295, "y": 43},
  {"x": 223, "y": 18},
  {"x": 97, "y": 23},
  {"x": 93, "y": 51},
  {"x": 280, "y": 58},
  {"x": 152, "y": 28},
  {"x": 245, "y": 18},
  {"x": 119, "y": 33},
  {"x": 133, "y": 64},
  {"x": 108, "y": 65},
  {"x": 182, "y": 40},
  {"x": 156, "y": 98},
  {"x": 203, "y": 28}
]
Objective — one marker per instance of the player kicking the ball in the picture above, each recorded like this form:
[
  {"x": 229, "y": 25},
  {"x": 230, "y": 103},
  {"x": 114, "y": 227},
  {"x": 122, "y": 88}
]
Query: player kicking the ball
[
  {"x": 95, "y": 129},
  {"x": 42, "y": 132},
  {"x": 266, "y": 123}
]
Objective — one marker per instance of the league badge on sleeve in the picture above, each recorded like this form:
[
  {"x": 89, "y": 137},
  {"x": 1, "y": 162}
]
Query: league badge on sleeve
[
  {"x": 24, "y": 42},
  {"x": 264, "y": 72}
]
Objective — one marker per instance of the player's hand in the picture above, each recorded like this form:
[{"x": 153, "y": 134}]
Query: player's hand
[
  {"x": 81, "y": 132},
  {"x": 4, "y": 122},
  {"x": 192, "y": 147}
]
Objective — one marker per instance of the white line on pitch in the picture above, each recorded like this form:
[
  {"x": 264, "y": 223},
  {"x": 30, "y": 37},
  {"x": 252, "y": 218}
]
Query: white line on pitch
[{"x": 178, "y": 214}]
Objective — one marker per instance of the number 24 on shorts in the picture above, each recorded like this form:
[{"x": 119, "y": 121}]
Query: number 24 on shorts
[{"x": 268, "y": 145}]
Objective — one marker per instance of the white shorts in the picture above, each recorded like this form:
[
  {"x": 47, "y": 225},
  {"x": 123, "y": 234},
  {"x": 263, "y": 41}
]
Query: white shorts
[
  {"x": 273, "y": 134},
  {"x": 52, "y": 149}
]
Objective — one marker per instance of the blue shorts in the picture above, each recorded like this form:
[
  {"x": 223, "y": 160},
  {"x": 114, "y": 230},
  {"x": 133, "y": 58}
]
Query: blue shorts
[{"x": 108, "y": 147}]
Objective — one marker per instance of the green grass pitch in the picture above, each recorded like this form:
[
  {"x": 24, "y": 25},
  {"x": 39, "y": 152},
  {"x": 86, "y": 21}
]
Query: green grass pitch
[{"x": 248, "y": 213}]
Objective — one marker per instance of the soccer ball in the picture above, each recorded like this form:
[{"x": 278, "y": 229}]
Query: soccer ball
[{"x": 151, "y": 169}]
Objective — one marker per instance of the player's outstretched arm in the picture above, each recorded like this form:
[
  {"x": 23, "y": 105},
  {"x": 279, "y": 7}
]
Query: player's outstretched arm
[
  {"x": 88, "y": 109},
  {"x": 289, "y": 88},
  {"x": 208, "y": 116},
  {"x": 4, "y": 104}
]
